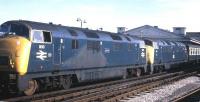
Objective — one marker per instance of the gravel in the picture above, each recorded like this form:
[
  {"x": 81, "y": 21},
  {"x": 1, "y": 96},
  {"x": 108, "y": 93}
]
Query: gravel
[{"x": 167, "y": 92}]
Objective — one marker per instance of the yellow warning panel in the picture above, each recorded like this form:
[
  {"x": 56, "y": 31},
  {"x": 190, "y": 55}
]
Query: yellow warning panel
[
  {"x": 150, "y": 54},
  {"x": 18, "y": 50}
]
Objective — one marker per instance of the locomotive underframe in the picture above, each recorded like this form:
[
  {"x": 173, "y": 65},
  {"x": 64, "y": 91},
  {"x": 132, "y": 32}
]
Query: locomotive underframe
[
  {"x": 12, "y": 82},
  {"x": 52, "y": 79},
  {"x": 8, "y": 82}
]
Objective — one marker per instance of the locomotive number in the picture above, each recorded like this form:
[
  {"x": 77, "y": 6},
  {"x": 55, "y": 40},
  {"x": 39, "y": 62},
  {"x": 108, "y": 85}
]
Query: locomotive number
[{"x": 41, "y": 46}]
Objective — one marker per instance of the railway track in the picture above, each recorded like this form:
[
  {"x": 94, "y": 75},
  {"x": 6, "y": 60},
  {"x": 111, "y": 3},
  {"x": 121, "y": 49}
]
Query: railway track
[
  {"x": 121, "y": 94},
  {"x": 77, "y": 91},
  {"x": 107, "y": 92},
  {"x": 187, "y": 95}
]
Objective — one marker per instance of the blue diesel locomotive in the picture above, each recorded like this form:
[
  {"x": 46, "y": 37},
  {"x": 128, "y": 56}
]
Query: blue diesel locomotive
[{"x": 38, "y": 56}]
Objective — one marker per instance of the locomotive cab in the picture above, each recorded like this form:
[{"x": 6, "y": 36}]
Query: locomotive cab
[
  {"x": 19, "y": 43},
  {"x": 15, "y": 47},
  {"x": 41, "y": 50},
  {"x": 23, "y": 50}
]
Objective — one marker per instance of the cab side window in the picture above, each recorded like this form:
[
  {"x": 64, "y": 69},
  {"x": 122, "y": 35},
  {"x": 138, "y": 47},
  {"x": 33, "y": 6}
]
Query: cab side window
[
  {"x": 37, "y": 36},
  {"x": 41, "y": 37},
  {"x": 47, "y": 36}
]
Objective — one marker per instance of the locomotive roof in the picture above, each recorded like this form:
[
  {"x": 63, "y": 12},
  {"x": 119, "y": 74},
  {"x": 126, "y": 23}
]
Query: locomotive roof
[{"x": 101, "y": 35}]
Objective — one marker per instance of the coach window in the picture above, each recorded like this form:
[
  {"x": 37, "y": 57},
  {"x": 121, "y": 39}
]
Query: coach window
[
  {"x": 195, "y": 51},
  {"x": 74, "y": 44},
  {"x": 41, "y": 37},
  {"x": 198, "y": 51},
  {"x": 192, "y": 51}
]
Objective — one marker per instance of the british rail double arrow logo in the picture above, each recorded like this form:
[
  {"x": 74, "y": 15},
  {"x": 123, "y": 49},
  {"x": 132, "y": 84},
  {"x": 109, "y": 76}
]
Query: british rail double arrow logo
[{"x": 41, "y": 55}]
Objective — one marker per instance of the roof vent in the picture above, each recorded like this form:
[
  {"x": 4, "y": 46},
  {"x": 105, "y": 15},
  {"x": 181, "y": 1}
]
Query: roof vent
[
  {"x": 51, "y": 23},
  {"x": 101, "y": 29},
  {"x": 155, "y": 26},
  {"x": 121, "y": 30},
  {"x": 179, "y": 30}
]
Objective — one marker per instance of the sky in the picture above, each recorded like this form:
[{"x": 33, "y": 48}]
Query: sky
[{"x": 106, "y": 14}]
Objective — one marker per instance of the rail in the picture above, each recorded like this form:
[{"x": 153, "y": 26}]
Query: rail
[{"x": 108, "y": 91}]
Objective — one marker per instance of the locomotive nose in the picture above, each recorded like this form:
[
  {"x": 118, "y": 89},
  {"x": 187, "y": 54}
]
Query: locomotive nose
[{"x": 14, "y": 53}]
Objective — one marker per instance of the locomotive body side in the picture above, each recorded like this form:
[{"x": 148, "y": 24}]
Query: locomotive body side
[{"x": 56, "y": 56}]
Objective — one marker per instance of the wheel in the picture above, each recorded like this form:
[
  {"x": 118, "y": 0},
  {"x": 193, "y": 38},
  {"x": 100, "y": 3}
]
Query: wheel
[
  {"x": 66, "y": 82},
  {"x": 32, "y": 87},
  {"x": 138, "y": 72}
]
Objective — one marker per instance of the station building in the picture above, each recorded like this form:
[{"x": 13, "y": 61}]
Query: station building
[{"x": 154, "y": 32}]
